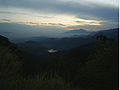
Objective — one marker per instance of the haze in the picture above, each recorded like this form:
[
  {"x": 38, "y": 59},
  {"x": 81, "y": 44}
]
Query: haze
[{"x": 53, "y": 17}]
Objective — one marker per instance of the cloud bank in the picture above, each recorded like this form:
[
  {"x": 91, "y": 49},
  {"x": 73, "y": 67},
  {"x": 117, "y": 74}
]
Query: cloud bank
[{"x": 106, "y": 11}]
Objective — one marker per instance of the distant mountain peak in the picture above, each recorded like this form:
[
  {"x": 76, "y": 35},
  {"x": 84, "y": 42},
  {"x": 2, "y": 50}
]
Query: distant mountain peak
[
  {"x": 81, "y": 29},
  {"x": 77, "y": 31}
]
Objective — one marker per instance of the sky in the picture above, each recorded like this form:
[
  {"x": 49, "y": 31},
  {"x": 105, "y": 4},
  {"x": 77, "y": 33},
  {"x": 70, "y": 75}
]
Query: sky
[{"x": 62, "y": 14}]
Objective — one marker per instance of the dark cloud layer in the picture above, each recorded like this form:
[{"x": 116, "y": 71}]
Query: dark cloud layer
[
  {"x": 5, "y": 19},
  {"x": 80, "y": 10}
]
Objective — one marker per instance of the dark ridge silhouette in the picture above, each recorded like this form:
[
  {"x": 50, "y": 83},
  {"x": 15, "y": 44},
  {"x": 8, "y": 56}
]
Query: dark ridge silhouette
[{"x": 92, "y": 65}]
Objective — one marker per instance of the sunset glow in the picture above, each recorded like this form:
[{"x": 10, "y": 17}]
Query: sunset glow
[
  {"x": 39, "y": 19},
  {"x": 87, "y": 14}
]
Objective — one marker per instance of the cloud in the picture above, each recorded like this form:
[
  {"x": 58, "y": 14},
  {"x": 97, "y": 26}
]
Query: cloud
[
  {"x": 5, "y": 32},
  {"x": 84, "y": 9},
  {"x": 52, "y": 24},
  {"x": 32, "y": 23},
  {"x": 25, "y": 31},
  {"x": 57, "y": 24},
  {"x": 6, "y": 12},
  {"x": 81, "y": 10},
  {"x": 104, "y": 26},
  {"x": 85, "y": 21},
  {"x": 45, "y": 16},
  {"x": 61, "y": 24},
  {"x": 5, "y": 20},
  {"x": 80, "y": 21}
]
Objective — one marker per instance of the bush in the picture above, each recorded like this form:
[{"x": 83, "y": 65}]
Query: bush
[
  {"x": 10, "y": 65},
  {"x": 101, "y": 69},
  {"x": 42, "y": 82}
]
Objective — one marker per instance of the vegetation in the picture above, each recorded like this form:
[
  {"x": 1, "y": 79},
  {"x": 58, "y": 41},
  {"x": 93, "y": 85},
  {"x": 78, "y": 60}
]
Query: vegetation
[
  {"x": 77, "y": 69},
  {"x": 12, "y": 77}
]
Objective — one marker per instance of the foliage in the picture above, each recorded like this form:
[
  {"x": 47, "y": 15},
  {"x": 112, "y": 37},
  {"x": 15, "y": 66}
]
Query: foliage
[
  {"x": 36, "y": 83},
  {"x": 77, "y": 69},
  {"x": 10, "y": 65},
  {"x": 12, "y": 78},
  {"x": 101, "y": 69}
]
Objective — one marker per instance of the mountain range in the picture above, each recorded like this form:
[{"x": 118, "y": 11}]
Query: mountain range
[
  {"x": 81, "y": 60},
  {"x": 77, "y": 32},
  {"x": 40, "y": 46}
]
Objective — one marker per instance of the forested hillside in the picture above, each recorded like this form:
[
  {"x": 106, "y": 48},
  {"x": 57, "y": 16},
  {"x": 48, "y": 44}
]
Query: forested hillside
[{"x": 89, "y": 67}]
